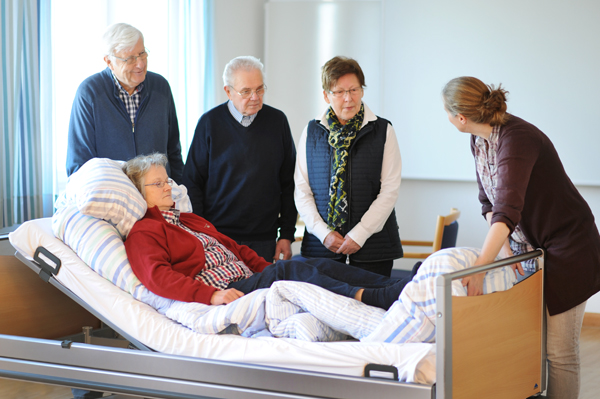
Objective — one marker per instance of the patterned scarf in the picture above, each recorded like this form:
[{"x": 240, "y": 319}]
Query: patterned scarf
[{"x": 340, "y": 138}]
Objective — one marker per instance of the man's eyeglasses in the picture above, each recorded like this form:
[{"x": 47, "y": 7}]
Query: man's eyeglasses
[
  {"x": 248, "y": 93},
  {"x": 342, "y": 93},
  {"x": 133, "y": 59},
  {"x": 161, "y": 184}
]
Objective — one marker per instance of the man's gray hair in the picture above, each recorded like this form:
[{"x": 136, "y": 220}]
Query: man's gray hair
[
  {"x": 120, "y": 36},
  {"x": 137, "y": 168},
  {"x": 246, "y": 62}
]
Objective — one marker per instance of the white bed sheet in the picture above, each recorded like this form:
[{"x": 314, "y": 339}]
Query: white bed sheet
[{"x": 415, "y": 361}]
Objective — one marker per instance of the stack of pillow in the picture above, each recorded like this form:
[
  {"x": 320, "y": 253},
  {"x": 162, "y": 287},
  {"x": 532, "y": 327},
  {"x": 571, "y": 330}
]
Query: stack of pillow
[{"x": 96, "y": 213}]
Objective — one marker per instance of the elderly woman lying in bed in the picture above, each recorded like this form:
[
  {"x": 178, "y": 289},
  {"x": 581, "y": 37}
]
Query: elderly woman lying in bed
[{"x": 182, "y": 256}]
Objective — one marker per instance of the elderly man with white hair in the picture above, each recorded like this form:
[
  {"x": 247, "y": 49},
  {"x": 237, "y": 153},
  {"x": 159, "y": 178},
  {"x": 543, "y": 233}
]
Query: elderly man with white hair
[
  {"x": 240, "y": 166},
  {"x": 124, "y": 111}
]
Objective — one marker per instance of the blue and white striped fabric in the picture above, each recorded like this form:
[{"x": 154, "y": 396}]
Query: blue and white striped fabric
[
  {"x": 100, "y": 246},
  {"x": 332, "y": 317},
  {"x": 289, "y": 309},
  {"x": 245, "y": 316},
  {"x": 412, "y": 318},
  {"x": 100, "y": 189}
]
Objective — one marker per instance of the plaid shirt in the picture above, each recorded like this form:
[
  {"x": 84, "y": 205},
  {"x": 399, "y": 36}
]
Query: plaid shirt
[
  {"x": 222, "y": 266},
  {"x": 487, "y": 169},
  {"x": 132, "y": 102}
]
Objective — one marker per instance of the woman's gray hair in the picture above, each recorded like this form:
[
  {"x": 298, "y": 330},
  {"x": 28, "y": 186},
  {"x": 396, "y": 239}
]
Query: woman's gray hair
[
  {"x": 137, "y": 168},
  {"x": 246, "y": 62},
  {"x": 120, "y": 36}
]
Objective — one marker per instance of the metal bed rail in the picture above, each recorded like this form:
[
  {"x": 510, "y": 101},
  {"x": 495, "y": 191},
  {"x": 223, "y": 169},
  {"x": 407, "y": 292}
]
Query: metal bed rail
[{"x": 159, "y": 375}]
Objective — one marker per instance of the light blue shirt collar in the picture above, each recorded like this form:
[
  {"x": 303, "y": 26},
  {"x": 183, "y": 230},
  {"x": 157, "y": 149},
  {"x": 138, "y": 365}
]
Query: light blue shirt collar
[{"x": 237, "y": 115}]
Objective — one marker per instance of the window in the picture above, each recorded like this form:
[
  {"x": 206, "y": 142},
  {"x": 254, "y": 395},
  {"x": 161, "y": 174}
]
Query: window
[{"x": 174, "y": 35}]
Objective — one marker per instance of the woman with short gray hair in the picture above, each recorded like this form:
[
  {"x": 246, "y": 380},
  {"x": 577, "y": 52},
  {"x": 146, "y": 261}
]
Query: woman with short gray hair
[{"x": 137, "y": 168}]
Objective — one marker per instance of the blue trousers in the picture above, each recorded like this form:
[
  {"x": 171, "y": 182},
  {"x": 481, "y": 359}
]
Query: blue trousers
[
  {"x": 383, "y": 267},
  {"x": 334, "y": 276}
]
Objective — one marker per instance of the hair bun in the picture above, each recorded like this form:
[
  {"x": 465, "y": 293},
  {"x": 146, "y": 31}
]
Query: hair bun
[
  {"x": 493, "y": 105},
  {"x": 475, "y": 100}
]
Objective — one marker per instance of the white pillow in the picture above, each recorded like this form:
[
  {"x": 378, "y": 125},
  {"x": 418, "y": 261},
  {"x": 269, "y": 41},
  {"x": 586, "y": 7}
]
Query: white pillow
[{"x": 101, "y": 189}]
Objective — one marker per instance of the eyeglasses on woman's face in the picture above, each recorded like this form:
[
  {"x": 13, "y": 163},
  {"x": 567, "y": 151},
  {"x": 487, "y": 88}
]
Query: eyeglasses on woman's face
[
  {"x": 161, "y": 184},
  {"x": 354, "y": 92}
]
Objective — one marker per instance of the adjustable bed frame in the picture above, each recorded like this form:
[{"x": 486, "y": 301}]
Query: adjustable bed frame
[{"x": 489, "y": 346}]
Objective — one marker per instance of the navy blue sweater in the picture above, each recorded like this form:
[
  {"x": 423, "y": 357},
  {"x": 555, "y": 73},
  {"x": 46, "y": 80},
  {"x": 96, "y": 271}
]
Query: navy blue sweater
[
  {"x": 241, "y": 179},
  {"x": 100, "y": 125}
]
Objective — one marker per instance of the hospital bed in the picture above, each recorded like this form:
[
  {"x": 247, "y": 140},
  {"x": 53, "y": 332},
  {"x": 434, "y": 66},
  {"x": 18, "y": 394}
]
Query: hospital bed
[{"x": 490, "y": 346}]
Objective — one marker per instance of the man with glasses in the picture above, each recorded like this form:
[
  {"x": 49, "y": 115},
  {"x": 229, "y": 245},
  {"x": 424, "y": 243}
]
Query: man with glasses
[
  {"x": 240, "y": 166},
  {"x": 124, "y": 111}
]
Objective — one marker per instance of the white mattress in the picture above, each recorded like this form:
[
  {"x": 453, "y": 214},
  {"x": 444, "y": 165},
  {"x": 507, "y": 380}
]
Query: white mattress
[{"x": 415, "y": 361}]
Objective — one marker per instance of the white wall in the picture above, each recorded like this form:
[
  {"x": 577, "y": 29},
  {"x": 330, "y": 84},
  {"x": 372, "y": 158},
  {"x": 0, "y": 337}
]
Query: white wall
[
  {"x": 239, "y": 29},
  {"x": 242, "y": 32}
]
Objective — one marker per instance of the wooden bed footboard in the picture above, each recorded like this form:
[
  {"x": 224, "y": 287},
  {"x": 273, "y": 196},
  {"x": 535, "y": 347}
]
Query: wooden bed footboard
[{"x": 494, "y": 344}]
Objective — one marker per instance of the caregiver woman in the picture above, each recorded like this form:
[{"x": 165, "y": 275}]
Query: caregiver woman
[
  {"x": 347, "y": 177},
  {"x": 530, "y": 202}
]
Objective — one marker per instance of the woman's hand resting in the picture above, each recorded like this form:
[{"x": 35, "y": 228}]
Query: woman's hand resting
[{"x": 225, "y": 296}]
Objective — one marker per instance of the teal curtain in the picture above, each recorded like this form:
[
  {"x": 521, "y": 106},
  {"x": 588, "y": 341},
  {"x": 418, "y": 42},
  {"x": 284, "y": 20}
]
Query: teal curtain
[{"x": 21, "y": 194}]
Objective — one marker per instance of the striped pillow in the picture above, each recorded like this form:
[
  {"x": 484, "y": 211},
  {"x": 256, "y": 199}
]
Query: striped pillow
[
  {"x": 97, "y": 243},
  {"x": 101, "y": 189},
  {"x": 100, "y": 246}
]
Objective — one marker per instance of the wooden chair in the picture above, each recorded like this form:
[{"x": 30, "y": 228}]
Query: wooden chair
[{"x": 446, "y": 232}]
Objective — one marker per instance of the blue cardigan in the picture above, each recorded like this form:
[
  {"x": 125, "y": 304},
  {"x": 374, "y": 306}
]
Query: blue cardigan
[{"x": 100, "y": 125}]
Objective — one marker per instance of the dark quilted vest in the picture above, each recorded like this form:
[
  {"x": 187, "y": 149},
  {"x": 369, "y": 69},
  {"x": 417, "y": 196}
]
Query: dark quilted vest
[{"x": 363, "y": 186}]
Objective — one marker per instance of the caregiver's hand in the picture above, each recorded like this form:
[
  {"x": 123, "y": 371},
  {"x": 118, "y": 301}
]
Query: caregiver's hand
[{"x": 474, "y": 284}]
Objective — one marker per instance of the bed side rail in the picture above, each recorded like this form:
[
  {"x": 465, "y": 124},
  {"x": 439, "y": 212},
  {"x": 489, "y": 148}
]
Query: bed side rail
[
  {"x": 444, "y": 319},
  {"x": 159, "y": 375}
]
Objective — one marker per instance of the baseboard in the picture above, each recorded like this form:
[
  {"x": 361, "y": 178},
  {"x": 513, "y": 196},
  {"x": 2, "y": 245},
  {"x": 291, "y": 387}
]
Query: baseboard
[{"x": 591, "y": 320}]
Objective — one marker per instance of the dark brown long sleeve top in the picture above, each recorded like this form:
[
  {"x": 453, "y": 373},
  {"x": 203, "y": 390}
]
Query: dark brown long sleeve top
[{"x": 534, "y": 191}]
